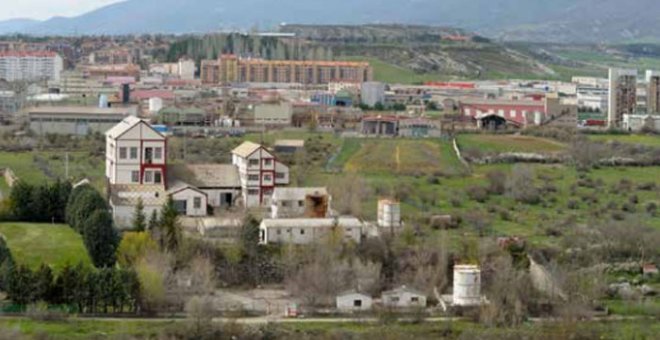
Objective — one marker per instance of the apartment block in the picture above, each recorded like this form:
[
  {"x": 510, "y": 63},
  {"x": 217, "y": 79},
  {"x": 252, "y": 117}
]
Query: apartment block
[
  {"x": 232, "y": 69},
  {"x": 30, "y": 66},
  {"x": 653, "y": 92},
  {"x": 622, "y": 95}
]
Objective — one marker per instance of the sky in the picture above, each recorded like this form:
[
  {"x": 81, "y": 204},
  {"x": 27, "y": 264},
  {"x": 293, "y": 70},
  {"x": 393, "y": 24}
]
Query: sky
[{"x": 44, "y": 9}]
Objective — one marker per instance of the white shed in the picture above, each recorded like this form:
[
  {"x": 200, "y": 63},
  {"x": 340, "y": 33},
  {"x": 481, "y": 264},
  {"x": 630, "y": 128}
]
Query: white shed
[
  {"x": 403, "y": 297},
  {"x": 353, "y": 301}
]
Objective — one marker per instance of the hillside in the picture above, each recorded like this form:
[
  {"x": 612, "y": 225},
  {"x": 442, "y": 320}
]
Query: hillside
[{"x": 519, "y": 20}]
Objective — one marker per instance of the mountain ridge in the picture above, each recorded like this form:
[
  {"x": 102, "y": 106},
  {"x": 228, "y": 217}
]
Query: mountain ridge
[{"x": 581, "y": 21}]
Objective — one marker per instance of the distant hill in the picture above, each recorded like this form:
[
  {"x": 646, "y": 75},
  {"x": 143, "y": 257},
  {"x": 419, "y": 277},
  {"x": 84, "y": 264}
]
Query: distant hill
[
  {"x": 17, "y": 25},
  {"x": 531, "y": 20}
]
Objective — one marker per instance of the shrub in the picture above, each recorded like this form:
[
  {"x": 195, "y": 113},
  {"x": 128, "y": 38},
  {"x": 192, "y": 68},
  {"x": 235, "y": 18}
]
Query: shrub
[
  {"x": 573, "y": 204},
  {"x": 652, "y": 208},
  {"x": 633, "y": 199},
  {"x": 477, "y": 193}
]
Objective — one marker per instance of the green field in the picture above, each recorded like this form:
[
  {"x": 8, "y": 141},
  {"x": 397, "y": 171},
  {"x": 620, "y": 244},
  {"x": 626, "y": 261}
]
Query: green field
[
  {"x": 398, "y": 156},
  {"x": 34, "y": 244},
  {"x": 508, "y": 143},
  {"x": 38, "y": 167},
  {"x": 648, "y": 140},
  {"x": 82, "y": 329},
  {"x": 389, "y": 73}
]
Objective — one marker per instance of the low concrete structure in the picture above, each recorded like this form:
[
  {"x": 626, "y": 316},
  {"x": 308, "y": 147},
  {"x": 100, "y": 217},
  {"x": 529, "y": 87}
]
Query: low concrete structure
[
  {"x": 403, "y": 297},
  {"x": 300, "y": 203},
  {"x": 289, "y": 146},
  {"x": 353, "y": 301},
  {"x": 220, "y": 182},
  {"x": 309, "y": 230}
]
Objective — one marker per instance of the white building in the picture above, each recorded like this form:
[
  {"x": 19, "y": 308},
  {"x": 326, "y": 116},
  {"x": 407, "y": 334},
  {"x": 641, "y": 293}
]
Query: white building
[
  {"x": 220, "y": 182},
  {"x": 403, "y": 297},
  {"x": 259, "y": 173},
  {"x": 638, "y": 122},
  {"x": 135, "y": 154},
  {"x": 30, "y": 66},
  {"x": 269, "y": 114},
  {"x": 373, "y": 93},
  {"x": 309, "y": 230},
  {"x": 76, "y": 120},
  {"x": 389, "y": 214},
  {"x": 183, "y": 69},
  {"x": 300, "y": 202},
  {"x": 353, "y": 301}
]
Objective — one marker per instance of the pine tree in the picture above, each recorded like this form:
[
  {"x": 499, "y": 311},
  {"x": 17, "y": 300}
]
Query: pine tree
[
  {"x": 170, "y": 227},
  {"x": 101, "y": 239},
  {"x": 139, "y": 220},
  {"x": 153, "y": 220},
  {"x": 43, "y": 287}
]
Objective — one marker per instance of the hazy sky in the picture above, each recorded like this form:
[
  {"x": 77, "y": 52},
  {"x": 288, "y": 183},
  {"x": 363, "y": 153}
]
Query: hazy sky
[{"x": 44, "y": 9}]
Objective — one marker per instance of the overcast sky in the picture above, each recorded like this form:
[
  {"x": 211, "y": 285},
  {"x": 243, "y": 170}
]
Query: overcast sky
[{"x": 44, "y": 9}]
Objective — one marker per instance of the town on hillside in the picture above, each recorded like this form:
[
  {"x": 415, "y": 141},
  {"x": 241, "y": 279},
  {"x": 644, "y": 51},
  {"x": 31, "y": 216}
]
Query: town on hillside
[{"x": 306, "y": 183}]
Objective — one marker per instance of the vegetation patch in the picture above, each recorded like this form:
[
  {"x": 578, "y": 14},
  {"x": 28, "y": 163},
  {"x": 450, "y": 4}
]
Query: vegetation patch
[{"x": 54, "y": 244}]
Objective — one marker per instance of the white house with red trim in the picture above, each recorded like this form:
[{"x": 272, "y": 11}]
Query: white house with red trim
[
  {"x": 136, "y": 169},
  {"x": 259, "y": 173}
]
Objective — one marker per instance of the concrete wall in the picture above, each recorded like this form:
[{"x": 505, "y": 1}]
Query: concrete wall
[
  {"x": 404, "y": 300},
  {"x": 346, "y": 303},
  {"x": 189, "y": 196}
]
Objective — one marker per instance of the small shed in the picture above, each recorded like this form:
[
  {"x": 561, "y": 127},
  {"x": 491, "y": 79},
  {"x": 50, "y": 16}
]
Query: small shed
[
  {"x": 404, "y": 297},
  {"x": 354, "y": 301}
]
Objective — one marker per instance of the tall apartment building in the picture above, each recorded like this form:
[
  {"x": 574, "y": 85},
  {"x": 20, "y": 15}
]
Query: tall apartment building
[
  {"x": 622, "y": 95},
  {"x": 232, "y": 69},
  {"x": 653, "y": 92},
  {"x": 30, "y": 66}
]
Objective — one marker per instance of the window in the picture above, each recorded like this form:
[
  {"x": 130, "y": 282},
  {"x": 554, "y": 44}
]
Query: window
[
  {"x": 149, "y": 177},
  {"x": 357, "y": 303},
  {"x": 253, "y": 177},
  {"x": 279, "y": 175},
  {"x": 197, "y": 202},
  {"x": 253, "y": 192},
  {"x": 394, "y": 299},
  {"x": 149, "y": 155},
  {"x": 135, "y": 176},
  {"x": 288, "y": 231},
  {"x": 302, "y": 231},
  {"x": 122, "y": 153},
  {"x": 279, "y": 232},
  {"x": 158, "y": 177},
  {"x": 134, "y": 153},
  {"x": 268, "y": 178},
  {"x": 158, "y": 153},
  {"x": 301, "y": 203},
  {"x": 254, "y": 162},
  {"x": 268, "y": 162},
  {"x": 414, "y": 299}
]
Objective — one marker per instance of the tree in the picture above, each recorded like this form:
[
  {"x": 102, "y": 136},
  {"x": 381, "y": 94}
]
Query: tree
[
  {"x": 520, "y": 185},
  {"x": 20, "y": 285},
  {"x": 153, "y": 221},
  {"x": 139, "y": 220},
  {"x": 83, "y": 202},
  {"x": 133, "y": 247},
  {"x": 170, "y": 227},
  {"x": 43, "y": 284},
  {"x": 20, "y": 200},
  {"x": 101, "y": 239}
]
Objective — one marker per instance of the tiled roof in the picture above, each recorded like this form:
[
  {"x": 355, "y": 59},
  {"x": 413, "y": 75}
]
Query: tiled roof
[
  {"x": 205, "y": 175},
  {"x": 246, "y": 149}
]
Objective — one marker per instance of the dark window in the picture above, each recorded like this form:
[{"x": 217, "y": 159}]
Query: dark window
[{"x": 357, "y": 303}]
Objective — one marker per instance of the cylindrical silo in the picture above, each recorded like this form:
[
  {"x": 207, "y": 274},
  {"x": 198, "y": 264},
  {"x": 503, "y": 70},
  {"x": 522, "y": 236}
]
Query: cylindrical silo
[{"x": 467, "y": 285}]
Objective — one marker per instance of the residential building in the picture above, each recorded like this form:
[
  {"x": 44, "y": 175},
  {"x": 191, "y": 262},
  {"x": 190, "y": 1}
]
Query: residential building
[
  {"x": 183, "y": 69},
  {"x": 220, "y": 182},
  {"x": 641, "y": 122},
  {"x": 30, "y": 66},
  {"x": 653, "y": 92},
  {"x": 309, "y": 230},
  {"x": 110, "y": 71},
  {"x": 76, "y": 120},
  {"x": 135, "y": 154},
  {"x": 9, "y": 102},
  {"x": 622, "y": 96},
  {"x": 403, "y": 297},
  {"x": 233, "y": 69},
  {"x": 300, "y": 203},
  {"x": 259, "y": 173},
  {"x": 353, "y": 301},
  {"x": 419, "y": 128},
  {"x": 111, "y": 57}
]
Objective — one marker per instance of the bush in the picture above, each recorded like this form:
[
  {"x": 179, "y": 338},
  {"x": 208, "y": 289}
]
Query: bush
[
  {"x": 648, "y": 186},
  {"x": 573, "y": 204},
  {"x": 652, "y": 208},
  {"x": 496, "y": 182},
  {"x": 520, "y": 185},
  {"x": 477, "y": 193},
  {"x": 633, "y": 199}
]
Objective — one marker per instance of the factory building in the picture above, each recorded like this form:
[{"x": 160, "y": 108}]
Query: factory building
[{"x": 76, "y": 120}]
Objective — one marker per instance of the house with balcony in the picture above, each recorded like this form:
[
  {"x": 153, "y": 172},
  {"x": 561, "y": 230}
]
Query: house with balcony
[{"x": 259, "y": 173}]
